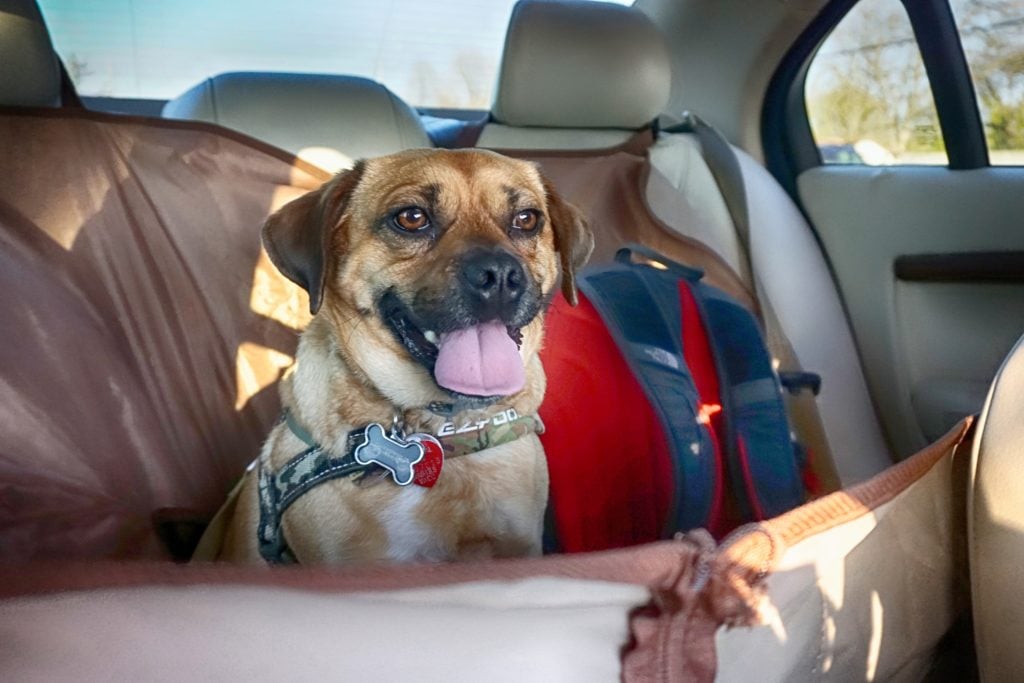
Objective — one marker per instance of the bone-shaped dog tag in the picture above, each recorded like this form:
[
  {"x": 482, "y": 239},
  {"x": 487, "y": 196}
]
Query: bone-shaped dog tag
[{"x": 394, "y": 455}]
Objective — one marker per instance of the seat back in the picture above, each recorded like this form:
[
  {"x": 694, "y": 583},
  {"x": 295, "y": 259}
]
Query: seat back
[
  {"x": 29, "y": 68},
  {"x": 144, "y": 326},
  {"x": 328, "y": 120},
  {"x": 996, "y": 524},
  {"x": 566, "y": 96}
]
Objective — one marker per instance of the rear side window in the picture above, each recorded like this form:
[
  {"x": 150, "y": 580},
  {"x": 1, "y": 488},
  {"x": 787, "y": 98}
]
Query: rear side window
[
  {"x": 441, "y": 53},
  {"x": 992, "y": 33},
  {"x": 867, "y": 94}
]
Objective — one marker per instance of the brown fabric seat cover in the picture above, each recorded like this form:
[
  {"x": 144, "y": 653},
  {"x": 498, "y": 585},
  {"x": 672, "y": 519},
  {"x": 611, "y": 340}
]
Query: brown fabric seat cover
[
  {"x": 143, "y": 327},
  {"x": 608, "y": 185},
  {"x": 143, "y": 314}
]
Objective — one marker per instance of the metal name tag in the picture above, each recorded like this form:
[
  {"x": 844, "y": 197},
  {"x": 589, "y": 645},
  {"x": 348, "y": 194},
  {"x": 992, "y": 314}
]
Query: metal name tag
[{"x": 391, "y": 453}]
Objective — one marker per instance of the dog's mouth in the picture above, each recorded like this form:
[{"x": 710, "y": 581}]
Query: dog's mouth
[{"x": 479, "y": 360}]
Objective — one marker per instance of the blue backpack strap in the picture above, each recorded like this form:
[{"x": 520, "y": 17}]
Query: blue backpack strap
[
  {"x": 759, "y": 448},
  {"x": 640, "y": 307}
]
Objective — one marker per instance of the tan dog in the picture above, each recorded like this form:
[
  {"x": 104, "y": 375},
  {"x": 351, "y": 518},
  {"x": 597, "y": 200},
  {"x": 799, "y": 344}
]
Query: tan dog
[{"x": 428, "y": 272}]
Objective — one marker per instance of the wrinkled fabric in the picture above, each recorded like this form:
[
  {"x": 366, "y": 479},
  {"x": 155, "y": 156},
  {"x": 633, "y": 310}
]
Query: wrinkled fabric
[
  {"x": 859, "y": 584},
  {"x": 862, "y": 584},
  {"x": 608, "y": 185},
  {"x": 503, "y": 631},
  {"x": 143, "y": 327},
  {"x": 669, "y": 632}
]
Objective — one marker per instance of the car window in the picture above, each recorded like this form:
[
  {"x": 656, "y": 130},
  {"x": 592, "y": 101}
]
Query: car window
[
  {"x": 867, "y": 94},
  {"x": 442, "y": 53},
  {"x": 992, "y": 33}
]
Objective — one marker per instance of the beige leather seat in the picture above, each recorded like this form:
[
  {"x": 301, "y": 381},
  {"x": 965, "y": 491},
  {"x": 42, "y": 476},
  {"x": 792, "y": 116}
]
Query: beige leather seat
[
  {"x": 327, "y": 120},
  {"x": 996, "y": 525},
  {"x": 30, "y": 72},
  {"x": 578, "y": 75}
]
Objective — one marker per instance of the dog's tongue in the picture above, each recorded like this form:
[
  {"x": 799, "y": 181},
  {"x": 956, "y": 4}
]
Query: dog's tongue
[{"x": 481, "y": 360}]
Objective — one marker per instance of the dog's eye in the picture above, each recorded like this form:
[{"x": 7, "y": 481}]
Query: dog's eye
[
  {"x": 526, "y": 220},
  {"x": 412, "y": 219}
]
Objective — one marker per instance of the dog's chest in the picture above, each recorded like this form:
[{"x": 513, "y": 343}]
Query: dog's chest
[
  {"x": 409, "y": 536},
  {"x": 480, "y": 499}
]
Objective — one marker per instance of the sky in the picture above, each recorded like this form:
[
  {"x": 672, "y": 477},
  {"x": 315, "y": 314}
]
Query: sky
[{"x": 439, "y": 53}]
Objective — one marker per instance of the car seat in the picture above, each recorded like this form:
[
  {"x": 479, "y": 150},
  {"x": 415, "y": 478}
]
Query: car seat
[
  {"x": 579, "y": 76},
  {"x": 328, "y": 120}
]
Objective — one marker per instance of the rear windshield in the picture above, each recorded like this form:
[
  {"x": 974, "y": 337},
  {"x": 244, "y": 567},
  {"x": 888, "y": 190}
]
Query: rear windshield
[{"x": 442, "y": 53}]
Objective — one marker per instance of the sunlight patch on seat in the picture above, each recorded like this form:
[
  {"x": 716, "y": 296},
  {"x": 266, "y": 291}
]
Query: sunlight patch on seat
[
  {"x": 828, "y": 639},
  {"x": 62, "y": 221},
  {"x": 286, "y": 193},
  {"x": 875, "y": 643},
  {"x": 326, "y": 158},
  {"x": 256, "y": 368},
  {"x": 275, "y": 297},
  {"x": 770, "y": 616}
]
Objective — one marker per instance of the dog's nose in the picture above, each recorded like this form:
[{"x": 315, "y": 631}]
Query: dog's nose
[{"x": 494, "y": 280}]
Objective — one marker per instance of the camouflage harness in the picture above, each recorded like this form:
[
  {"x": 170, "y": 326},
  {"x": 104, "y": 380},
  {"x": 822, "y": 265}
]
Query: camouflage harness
[{"x": 316, "y": 465}]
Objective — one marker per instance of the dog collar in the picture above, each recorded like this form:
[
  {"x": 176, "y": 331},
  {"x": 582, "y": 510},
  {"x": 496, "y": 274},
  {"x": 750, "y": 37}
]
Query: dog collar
[{"x": 416, "y": 458}]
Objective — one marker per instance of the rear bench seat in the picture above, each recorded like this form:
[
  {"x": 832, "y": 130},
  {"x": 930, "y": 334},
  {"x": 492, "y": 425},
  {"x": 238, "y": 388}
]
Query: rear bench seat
[
  {"x": 585, "y": 75},
  {"x": 328, "y": 120},
  {"x": 147, "y": 326},
  {"x": 616, "y": 44},
  {"x": 570, "y": 83},
  {"x": 126, "y": 261}
]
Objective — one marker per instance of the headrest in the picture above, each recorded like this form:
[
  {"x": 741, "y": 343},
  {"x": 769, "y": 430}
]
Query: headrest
[
  {"x": 581, "y": 64},
  {"x": 328, "y": 120},
  {"x": 29, "y": 69}
]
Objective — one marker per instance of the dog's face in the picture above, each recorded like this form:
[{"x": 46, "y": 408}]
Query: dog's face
[{"x": 433, "y": 267}]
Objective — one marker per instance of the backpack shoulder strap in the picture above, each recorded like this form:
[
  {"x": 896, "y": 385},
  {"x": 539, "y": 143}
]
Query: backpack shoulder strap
[
  {"x": 763, "y": 469},
  {"x": 638, "y": 305}
]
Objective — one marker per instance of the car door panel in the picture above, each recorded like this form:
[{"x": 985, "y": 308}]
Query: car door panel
[{"x": 930, "y": 342}]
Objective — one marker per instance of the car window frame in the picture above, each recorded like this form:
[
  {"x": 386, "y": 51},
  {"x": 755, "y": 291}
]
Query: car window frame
[{"x": 787, "y": 139}]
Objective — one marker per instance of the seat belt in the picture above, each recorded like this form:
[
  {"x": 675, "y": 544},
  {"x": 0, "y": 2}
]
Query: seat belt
[{"x": 801, "y": 387}]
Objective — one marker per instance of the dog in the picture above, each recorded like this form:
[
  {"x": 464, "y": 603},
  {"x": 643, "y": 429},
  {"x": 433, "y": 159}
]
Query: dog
[{"x": 410, "y": 428}]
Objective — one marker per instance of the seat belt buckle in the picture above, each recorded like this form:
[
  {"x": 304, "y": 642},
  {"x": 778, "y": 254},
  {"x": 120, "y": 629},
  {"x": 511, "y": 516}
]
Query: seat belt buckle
[{"x": 796, "y": 381}]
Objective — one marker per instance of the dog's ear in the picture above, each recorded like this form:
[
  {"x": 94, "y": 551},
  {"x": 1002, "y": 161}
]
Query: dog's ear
[
  {"x": 573, "y": 239},
  {"x": 297, "y": 237}
]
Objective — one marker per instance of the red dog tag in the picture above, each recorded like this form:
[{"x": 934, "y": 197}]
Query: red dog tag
[{"x": 427, "y": 471}]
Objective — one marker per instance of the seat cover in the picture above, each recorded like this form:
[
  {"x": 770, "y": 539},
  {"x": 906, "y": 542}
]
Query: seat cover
[{"x": 143, "y": 324}]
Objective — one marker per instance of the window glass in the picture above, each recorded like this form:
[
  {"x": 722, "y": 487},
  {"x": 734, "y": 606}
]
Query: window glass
[
  {"x": 442, "y": 53},
  {"x": 992, "y": 33},
  {"x": 867, "y": 94}
]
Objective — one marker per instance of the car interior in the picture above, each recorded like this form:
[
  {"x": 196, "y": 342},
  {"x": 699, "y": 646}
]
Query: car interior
[{"x": 146, "y": 331}]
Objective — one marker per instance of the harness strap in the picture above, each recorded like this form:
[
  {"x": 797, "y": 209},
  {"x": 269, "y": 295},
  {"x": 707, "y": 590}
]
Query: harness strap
[
  {"x": 315, "y": 465},
  {"x": 278, "y": 490}
]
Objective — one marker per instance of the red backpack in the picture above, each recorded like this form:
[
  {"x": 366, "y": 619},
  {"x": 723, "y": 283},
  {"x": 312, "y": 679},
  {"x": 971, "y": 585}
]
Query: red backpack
[{"x": 663, "y": 412}]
